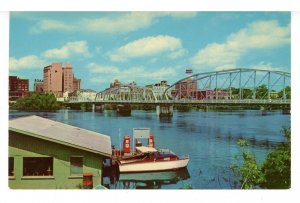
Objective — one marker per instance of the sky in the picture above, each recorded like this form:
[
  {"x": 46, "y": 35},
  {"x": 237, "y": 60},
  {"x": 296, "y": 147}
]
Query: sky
[{"x": 147, "y": 47}]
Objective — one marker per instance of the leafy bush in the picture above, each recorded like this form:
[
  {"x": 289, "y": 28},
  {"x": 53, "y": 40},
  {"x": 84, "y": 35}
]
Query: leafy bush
[
  {"x": 37, "y": 102},
  {"x": 275, "y": 172}
]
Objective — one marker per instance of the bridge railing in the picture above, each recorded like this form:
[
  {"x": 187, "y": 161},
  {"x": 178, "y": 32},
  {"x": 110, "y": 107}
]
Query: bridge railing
[{"x": 186, "y": 101}]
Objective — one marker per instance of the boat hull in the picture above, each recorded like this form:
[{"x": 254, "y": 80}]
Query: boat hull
[{"x": 153, "y": 166}]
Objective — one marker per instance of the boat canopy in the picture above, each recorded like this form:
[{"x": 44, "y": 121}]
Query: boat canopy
[{"x": 145, "y": 149}]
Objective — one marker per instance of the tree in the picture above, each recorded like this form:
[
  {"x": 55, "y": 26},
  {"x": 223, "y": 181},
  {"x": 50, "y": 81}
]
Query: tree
[
  {"x": 249, "y": 173},
  {"x": 37, "y": 102},
  {"x": 261, "y": 92},
  {"x": 277, "y": 166},
  {"x": 247, "y": 93},
  {"x": 287, "y": 93},
  {"x": 275, "y": 172}
]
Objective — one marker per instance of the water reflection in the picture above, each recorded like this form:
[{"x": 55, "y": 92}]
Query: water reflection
[
  {"x": 165, "y": 120},
  {"x": 153, "y": 180}
]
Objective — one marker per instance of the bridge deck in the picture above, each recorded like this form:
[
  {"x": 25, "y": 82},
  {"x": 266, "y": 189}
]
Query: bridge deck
[{"x": 229, "y": 102}]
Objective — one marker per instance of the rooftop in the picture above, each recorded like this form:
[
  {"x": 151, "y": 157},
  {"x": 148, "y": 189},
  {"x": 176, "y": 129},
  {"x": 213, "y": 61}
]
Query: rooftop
[{"x": 61, "y": 133}]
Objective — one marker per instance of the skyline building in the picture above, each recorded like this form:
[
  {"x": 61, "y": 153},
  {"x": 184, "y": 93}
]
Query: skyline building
[
  {"x": 38, "y": 86},
  {"x": 18, "y": 87},
  {"x": 59, "y": 79},
  {"x": 68, "y": 78},
  {"x": 76, "y": 84}
]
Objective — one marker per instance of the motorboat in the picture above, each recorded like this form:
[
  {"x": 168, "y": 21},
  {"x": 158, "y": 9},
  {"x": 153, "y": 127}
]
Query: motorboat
[
  {"x": 149, "y": 159},
  {"x": 164, "y": 176}
]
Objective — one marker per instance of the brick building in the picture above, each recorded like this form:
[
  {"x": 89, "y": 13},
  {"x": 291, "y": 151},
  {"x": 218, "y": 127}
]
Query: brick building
[
  {"x": 76, "y": 84},
  {"x": 18, "y": 87}
]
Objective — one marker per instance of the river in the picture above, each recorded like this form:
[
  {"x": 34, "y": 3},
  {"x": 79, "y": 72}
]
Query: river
[{"x": 208, "y": 137}]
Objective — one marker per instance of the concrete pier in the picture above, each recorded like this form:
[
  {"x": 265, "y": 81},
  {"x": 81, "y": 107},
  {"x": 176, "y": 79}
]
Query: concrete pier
[
  {"x": 99, "y": 107},
  {"x": 164, "y": 110},
  {"x": 124, "y": 110}
]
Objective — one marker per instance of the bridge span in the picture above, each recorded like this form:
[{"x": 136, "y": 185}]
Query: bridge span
[
  {"x": 193, "y": 102},
  {"x": 243, "y": 87}
]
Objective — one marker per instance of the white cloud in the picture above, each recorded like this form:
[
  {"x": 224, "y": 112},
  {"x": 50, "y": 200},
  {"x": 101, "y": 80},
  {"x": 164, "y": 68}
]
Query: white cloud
[
  {"x": 118, "y": 23},
  {"x": 176, "y": 54},
  {"x": 258, "y": 35},
  {"x": 96, "y": 68},
  {"x": 137, "y": 73},
  {"x": 70, "y": 49},
  {"x": 67, "y": 50},
  {"x": 180, "y": 14},
  {"x": 148, "y": 46},
  {"x": 47, "y": 25},
  {"x": 266, "y": 66},
  {"x": 26, "y": 62}
]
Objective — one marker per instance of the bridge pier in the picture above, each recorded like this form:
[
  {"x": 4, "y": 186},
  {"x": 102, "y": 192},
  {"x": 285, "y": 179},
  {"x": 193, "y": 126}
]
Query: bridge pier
[
  {"x": 99, "y": 107},
  {"x": 206, "y": 107},
  {"x": 93, "y": 107},
  {"x": 164, "y": 110},
  {"x": 263, "y": 110},
  {"x": 124, "y": 109},
  {"x": 286, "y": 111}
]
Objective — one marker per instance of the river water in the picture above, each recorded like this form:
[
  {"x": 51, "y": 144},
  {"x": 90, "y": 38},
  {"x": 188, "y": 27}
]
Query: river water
[{"x": 208, "y": 137}]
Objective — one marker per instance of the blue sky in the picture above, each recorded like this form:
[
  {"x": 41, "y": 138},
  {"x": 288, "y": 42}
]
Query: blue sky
[{"x": 147, "y": 47}]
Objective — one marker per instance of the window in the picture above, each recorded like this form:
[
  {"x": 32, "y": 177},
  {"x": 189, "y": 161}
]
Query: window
[
  {"x": 76, "y": 165},
  {"x": 11, "y": 166},
  {"x": 37, "y": 166}
]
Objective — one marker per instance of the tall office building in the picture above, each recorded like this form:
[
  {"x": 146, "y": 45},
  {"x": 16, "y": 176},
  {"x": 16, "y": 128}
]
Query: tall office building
[
  {"x": 53, "y": 79},
  {"x": 59, "y": 79},
  {"x": 68, "y": 78}
]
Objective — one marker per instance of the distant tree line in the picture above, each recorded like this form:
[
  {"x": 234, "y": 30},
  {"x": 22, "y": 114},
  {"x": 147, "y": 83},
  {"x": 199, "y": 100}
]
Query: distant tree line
[
  {"x": 37, "y": 102},
  {"x": 261, "y": 92}
]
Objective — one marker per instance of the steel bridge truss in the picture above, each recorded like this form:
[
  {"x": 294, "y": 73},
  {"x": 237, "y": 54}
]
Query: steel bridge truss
[
  {"x": 226, "y": 85},
  {"x": 129, "y": 93},
  {"x": 231, "y": 85}
]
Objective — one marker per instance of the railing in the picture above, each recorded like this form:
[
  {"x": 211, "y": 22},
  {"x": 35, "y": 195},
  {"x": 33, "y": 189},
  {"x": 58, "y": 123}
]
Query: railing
[{"x": 186, "y": 101}]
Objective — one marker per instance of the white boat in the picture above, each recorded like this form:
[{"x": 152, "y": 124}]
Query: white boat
[
  {"x": 148, "y": 159},
  {"x": 164, "y": 176}
]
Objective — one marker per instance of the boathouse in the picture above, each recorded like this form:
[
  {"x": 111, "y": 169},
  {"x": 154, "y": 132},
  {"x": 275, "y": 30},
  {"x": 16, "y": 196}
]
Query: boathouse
[{"x": 45, "y": 154}]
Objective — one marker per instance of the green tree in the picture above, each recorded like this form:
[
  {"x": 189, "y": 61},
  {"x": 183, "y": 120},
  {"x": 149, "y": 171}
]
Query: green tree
[
  {"x": 37, "y": 102},
  {"x": 275, "y": 172},
  {"x": 250, "y": 173},
  {"x": 247, "y": 94},
  {"x": 287, "y": 93},
  {"x": 261, "y": 92},
  {"x": 277, "y": 166}
]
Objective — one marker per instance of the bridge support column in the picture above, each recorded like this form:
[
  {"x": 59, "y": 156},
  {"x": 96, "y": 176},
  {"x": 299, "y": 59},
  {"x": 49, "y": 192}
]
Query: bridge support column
[
  {"x": 263, "y": 111},
  {"x": 206, "y": 107},
  {"x": 99, "y": 108},
  {"x": 164, "y": 110},
  {"x": 286, "y": 111},
  {"x": 93, "y": 107},
  {"x": 124, "y": 110}
]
